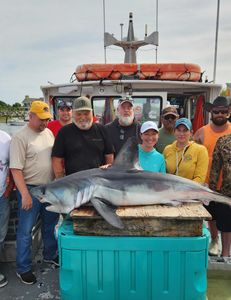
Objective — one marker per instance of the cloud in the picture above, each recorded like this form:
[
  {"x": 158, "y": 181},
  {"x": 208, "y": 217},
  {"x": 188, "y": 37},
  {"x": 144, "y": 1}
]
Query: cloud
[{"x": 45, "y": 40}]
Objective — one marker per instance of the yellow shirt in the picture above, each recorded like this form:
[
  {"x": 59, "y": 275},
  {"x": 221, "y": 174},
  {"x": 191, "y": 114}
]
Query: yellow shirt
[{"x": 190, "y": 162}]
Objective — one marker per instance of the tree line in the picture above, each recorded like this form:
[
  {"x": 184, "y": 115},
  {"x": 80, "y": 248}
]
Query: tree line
[{"x": 8, "y": 111}]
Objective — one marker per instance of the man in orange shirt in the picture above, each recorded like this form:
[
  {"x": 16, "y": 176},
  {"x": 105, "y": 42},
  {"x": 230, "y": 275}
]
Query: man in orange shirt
[{"x": 208, "y": 136}]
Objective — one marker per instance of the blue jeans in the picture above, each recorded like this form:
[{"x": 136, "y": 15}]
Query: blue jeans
[
  {"x": 26, "y": 221},
  {"x": 4, "y": 219}
]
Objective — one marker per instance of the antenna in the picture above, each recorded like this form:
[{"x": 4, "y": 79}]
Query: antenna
[
  {"x": 156, "y": 26},
  {"x": 104, "y": 30},
  {"x": 121, "y": 30},
  {"x": 216, "y": 39},
  {"x": 130, "y": 45}
]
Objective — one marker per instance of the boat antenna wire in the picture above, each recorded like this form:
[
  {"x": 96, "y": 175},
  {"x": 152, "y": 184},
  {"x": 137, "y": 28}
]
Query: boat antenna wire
[
  {"x": 157, "y": 5},
  {"x": 104, "y": 30},
  {"x": 216, "y": 41}
]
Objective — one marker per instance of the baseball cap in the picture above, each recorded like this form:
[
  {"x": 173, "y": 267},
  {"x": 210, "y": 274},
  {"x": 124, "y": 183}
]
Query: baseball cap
[
  {"x": 170, "y": 110},
  {"x": 184, "y": 121},
  {"x": 82, "y": 103},
  {"x": 126, "y": 99},
  {"x": 63, "y": 103},
  {"x": 41, "y": 109},
  {"x": 148, "y": 125}
]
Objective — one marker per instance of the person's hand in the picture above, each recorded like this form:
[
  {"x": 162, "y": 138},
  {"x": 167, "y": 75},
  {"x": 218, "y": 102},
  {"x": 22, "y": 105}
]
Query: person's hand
[
  {"x": 27, "y": 202},
  {"x": 104, "y": 167}
]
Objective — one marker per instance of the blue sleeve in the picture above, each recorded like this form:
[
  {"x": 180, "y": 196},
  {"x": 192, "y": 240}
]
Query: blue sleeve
[{"x": 163, "y": 165}]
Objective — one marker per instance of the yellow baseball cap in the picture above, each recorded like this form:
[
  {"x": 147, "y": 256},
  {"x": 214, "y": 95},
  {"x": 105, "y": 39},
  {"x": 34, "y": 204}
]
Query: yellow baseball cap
[{"x": 41, "y": 109}]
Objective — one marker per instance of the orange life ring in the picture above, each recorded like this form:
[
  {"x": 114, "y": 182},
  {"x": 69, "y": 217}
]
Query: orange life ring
[{"x": 171, "y": 71}]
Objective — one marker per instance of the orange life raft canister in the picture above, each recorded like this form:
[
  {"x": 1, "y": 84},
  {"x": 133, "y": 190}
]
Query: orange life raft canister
[{"x": 171, "y": 71}]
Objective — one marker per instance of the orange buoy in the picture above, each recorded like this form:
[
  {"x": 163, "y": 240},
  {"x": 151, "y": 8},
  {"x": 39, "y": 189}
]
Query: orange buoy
[{"x": 167, "y": 71}]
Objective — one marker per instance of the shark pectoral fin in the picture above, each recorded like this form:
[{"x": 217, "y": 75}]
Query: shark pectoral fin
[
  {"x": 54, "y": 208},
  {"x": 107, "y": 212}
]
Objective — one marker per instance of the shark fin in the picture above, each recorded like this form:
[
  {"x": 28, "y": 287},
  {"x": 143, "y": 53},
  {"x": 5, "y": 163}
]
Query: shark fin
[
  {"x": 107, "y": 211},
  {"x": 127, "y": 158}
]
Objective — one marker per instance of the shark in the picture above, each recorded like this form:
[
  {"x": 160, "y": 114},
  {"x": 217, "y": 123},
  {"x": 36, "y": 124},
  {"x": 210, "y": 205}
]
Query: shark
[{"x": 123, "y": 184}]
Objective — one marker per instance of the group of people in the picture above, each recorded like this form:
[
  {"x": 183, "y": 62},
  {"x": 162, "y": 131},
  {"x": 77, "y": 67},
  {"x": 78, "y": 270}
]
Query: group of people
[{"x": 45, "y": 150}]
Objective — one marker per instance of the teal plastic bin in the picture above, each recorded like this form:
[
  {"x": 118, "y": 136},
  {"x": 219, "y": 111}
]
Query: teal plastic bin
[{"x": 132, "y": 268}]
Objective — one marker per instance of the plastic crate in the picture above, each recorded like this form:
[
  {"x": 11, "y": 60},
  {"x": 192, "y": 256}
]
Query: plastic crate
[{"x": 132, "y": 268}]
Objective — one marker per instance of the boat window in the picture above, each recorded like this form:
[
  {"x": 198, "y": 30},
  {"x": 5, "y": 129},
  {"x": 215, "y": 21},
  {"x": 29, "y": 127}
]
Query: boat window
[{"x": 145, "y": 107}]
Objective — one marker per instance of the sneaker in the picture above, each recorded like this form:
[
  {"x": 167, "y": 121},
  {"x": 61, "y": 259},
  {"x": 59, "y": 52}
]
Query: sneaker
[
  {"x": 27, "y": 277},
  {"x": 223, "y": 259},
  {"x": 54, "y": 261},
  {"x": 3, "y": 280},
  {"x": 214, "y": 247}
]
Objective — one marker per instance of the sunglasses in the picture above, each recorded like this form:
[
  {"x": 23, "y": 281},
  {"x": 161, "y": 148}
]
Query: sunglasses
[
  {"x": 222, "y": 111},
  {"x": 168, "y": 117}
]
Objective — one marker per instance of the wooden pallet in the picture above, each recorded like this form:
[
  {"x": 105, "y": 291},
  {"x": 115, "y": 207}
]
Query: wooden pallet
[{"x": 152, "y": 220}]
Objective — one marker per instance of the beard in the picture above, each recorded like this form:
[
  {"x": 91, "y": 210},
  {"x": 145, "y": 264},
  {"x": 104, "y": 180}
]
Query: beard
[
  {"x": 220, "y": 121},
  {"x": 126, "y": 121},
  {"x": 87, "y": 125}
]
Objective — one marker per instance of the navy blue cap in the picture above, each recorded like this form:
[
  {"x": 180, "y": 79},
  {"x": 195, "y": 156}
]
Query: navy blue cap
[
  {"x": 63, "y": 104},
  {"x": 184, "y": 121}
]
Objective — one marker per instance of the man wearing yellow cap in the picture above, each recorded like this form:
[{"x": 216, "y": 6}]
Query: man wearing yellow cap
[{"x": 30, "y": 163}]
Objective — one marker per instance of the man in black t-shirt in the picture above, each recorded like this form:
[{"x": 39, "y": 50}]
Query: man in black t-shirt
[
  {"x": 81, "y": 145},
  {"x": 124, "y": 126}
]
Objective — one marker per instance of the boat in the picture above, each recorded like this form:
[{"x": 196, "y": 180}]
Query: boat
[
  {"x": 16, "y": 122},
  {"x": 151, "y": 85},
  {"x": 150, "y": 91}
]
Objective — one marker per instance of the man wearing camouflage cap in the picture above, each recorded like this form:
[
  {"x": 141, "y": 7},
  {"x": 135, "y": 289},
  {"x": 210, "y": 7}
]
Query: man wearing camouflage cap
[
  {"x": 82, "y": 144},
  {"x": 169, "y": 115}
]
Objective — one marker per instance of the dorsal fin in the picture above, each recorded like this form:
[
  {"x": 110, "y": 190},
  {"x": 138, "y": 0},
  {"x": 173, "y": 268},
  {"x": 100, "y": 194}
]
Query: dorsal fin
[{"x": 127, "y": 157}]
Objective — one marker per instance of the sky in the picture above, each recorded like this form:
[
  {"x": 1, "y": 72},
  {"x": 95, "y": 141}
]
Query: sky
[{"x": 43, "y": 41}]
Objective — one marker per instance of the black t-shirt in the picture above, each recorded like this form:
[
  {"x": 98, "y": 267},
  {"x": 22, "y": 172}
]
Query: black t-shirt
[
  {"x": 119, "y": 134},
  {"x": 82, "y": 149}
]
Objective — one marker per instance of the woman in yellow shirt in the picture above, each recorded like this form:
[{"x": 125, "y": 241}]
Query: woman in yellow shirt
[{"x": 184, "y": 157}]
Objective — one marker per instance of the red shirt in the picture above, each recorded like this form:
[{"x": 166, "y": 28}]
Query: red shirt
[{"x": 54, "y": 126}]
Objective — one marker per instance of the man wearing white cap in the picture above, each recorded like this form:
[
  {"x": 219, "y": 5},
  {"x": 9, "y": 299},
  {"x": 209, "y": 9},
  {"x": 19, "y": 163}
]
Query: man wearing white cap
[
  {"x": 149, "y": 158},
  {"x": 125, "y": 125}
]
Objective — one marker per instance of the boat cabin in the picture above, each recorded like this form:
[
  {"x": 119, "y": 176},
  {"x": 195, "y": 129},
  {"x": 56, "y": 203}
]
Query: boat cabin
[{"x": 150, "y": 97}]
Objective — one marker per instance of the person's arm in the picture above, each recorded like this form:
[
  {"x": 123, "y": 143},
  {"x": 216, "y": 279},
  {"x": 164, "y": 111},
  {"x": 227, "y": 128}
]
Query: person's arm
[
  {"x": 58, "y": 167},
  {"x": 21, "y": 186},
  {"x": 199, "y": 136},
  {"x": 163, "y": 166},
  {"x": 109, "y": 158},
  {"x": 216, "y": 167},
  {"x": 9, "y": 184},
  {"x": 202, "y": 163}
]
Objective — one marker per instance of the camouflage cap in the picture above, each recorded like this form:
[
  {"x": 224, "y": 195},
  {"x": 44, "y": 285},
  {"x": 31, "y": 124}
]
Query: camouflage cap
[{"x": 170, "y": 110}]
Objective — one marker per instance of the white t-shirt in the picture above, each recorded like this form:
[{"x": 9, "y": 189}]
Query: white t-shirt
[
  {"x": 4, "y": 159},
  {"x": 30, "y": 151}
]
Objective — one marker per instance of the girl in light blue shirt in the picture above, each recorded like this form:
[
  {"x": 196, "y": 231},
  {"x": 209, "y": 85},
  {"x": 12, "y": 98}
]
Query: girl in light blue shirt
[{"x": 149, "y": 158}]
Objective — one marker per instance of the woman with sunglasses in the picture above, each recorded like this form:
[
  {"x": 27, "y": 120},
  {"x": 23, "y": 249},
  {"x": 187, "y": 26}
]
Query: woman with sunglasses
[
  {"x": 149, "y": 158},
  {"x": 184, "y": 157}
]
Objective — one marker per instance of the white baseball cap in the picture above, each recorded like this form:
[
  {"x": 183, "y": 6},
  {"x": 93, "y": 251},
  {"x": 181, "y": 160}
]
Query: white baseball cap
[{"x": 148, "y": 125}]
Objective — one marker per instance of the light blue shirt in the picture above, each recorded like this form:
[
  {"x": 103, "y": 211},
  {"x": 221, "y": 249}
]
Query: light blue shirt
[{"x": 152, "y": 161}]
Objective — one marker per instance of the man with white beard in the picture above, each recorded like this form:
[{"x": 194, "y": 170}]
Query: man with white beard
[
  {"x": 82, "y": 144},
  {"x": 124, "y": 126}
]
